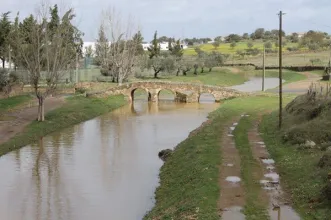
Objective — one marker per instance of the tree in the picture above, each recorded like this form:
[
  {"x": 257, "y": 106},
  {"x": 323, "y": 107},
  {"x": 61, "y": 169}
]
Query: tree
[
  {"x": 218, "y": 38},
  {"x": 250, "y": 44},
  {"x": 201, "y": 58},
  {"x": 233, "y": 45},
  {"x": 187, "y": 64},
  {"x": 259, "y": 33},
  {"x": 46, "y": 51},
  {"x": 102, "y": 48},
  {"x": 268, "y": 45},
  {"x": 233, "y": 38},
  {"x": 162, "y": 63},
  {"x": 138, "y": 40},
  {"x": 215, "y": 59},
  {"x": 5, "y": 27},
  {"x": 216, "y": 44},
  {"x": 154, "y": 49},
  {"x": 245, "y": 36},
  {"x": 89, "y": 51},
  {"x": 176, "y": 50}
]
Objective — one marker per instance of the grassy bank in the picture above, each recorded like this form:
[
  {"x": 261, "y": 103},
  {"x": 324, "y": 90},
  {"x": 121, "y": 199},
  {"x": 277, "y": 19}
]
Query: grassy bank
[
  {"x": 189, "y": 179},
  {"x": 307, "y": 118},
  {"x": 76, "y": 110},
  {"x": 13, "y": 102}
]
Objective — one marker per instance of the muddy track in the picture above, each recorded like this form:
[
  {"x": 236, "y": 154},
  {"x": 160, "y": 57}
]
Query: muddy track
[
  {"x": 15, "y": 122},
  {"x": 279, "y": 205},
  {"x": 232, "y": 196}
]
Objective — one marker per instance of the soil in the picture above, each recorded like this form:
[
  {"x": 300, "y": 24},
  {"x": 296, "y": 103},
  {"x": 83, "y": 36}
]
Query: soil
[
  {"x": 12, "y": 123},
  {"x": 232, "y": 194}
]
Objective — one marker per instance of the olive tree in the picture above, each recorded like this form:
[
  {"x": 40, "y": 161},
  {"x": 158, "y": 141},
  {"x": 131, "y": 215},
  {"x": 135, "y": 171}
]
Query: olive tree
[{"x": 162, "y": 63}]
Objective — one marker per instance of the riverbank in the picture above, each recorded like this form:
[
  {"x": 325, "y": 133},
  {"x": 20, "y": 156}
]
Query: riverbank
[
  {"x": 8, "y": 104},
  {"x": 301, "y": 150},
  {"x": 190, "y": 178},
  {"x": 75, "y": 110}
]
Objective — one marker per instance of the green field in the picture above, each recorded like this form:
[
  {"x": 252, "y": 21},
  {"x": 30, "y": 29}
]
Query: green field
[{"x": 226, "y": 48}]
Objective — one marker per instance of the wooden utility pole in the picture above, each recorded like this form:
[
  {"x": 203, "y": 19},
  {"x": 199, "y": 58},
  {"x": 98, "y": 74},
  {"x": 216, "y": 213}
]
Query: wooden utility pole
[
  {"x": 263, "y": 74},
  {"x": 280, "y": 69},
  {"x": 77, "y": 60},
  {"x": 9, "y": 58}
]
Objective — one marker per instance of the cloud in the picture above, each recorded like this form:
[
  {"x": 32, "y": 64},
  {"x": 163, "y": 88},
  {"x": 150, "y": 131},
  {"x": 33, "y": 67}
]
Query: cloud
[{"x": 189, "y": 18}]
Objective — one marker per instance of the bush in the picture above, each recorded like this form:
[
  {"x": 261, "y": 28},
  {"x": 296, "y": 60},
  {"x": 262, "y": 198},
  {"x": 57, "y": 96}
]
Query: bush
[{"x": 292, "y": 49}]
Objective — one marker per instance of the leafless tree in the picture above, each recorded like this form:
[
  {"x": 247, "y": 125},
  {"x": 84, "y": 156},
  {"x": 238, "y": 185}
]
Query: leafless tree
[
  {"x": 45, "y": 51},
  {"x": 123, "y": 49}
]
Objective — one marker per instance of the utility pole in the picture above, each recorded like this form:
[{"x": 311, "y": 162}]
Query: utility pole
[
  {"x": 280, "y": 69},
  {"x": 263, "y": 75},
  {"x": 9, "y": 58},
  {"x": 77, "y": 59}
]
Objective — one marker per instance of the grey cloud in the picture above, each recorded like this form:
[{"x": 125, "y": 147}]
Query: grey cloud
[{"x": 188, "y": 18}]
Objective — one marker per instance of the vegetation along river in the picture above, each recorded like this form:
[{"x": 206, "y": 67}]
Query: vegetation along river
[{"x": 105, "y": 168}]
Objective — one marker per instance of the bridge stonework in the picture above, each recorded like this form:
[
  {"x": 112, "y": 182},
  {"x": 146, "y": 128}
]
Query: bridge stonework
[{"x": 184, "y": 92}]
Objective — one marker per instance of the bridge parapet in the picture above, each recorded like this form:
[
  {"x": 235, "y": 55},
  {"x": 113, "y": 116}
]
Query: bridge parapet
[{"x": 153, "y": 89}]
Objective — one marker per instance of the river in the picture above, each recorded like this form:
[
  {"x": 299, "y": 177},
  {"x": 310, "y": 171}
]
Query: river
[{"x": 105, "y": 168}]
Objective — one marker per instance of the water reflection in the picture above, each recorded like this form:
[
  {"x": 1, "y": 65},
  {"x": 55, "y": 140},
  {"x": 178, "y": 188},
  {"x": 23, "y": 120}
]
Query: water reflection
[{"x": 106, "y": 168}]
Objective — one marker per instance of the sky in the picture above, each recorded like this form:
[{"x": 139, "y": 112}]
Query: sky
[{"x": 193, "y": 18}]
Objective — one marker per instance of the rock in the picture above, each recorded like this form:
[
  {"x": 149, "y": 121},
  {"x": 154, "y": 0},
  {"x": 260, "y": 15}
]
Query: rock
[
  {"x": 325, "y": 160},
  {"x": 308, "y": 145},
  {"x": 165, "y": 154}
]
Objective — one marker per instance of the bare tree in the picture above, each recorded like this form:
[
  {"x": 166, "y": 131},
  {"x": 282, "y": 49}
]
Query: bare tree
[
  {"x": 46, "y": 51},
  {"x": 123, "y": 48}
]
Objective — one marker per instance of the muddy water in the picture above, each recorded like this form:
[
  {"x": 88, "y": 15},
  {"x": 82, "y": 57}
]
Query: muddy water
[{"x": 105, "y": 168}]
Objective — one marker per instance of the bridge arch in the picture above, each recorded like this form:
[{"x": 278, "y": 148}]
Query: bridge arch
[
  {"x": 206, "y": 97},
  {"x": 166, "y": 94},
  {"x": 143, "y": 90}
]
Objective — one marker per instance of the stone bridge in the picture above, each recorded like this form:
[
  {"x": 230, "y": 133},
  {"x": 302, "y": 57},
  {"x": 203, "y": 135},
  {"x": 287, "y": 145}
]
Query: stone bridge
[{"x": 184, "y": 92}]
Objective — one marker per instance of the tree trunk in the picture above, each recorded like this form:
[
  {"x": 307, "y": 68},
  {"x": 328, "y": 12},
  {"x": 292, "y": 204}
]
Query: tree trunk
[
  {"x": 41, "y": 109},
  {"x": 195, "y": 71},
  {"x": 184, "y": 72},
  {"x": 3, "y": 63},
  {"x": 210, "y": 69},
  {"x": 178, "y": 70},
  {"x": 202, "y": 69},
  {"x": 155, "y": 74}
]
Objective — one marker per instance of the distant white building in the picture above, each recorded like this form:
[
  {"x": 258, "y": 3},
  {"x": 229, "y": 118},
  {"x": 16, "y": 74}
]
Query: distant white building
[{"x": 163, "y": 46}]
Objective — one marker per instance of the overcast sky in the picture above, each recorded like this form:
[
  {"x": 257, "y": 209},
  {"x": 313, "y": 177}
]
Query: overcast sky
[{"x": 195, "y": 18}]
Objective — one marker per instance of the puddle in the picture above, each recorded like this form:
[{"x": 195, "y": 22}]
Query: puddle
[
  {"x": 232, "y": 128},
  {"x": 284, "y": 213},
  {"x": 273, "y": 176},
  {"x": 235, "y": 124},
  {"x": 260, "y": 143},
  {"x": 233, "y": 213},
  {"x": 233, "y": 179},
  {"x": 229, "y": 165},
  {"x": 270, "y": 167},
  {"x": 230, "y": 135},
  {"x": 268, "y": 161}
]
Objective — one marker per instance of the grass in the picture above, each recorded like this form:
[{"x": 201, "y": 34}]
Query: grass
[
  {"x": 9, "y": 103},
  {"x": 76, "y": 110},
  {"x": 226, "y": 48},
  {"x": 255, "y": 208},
  {"x": 189, "y": 179},
  {"x": 217, "y": 77},
  {"x": 302, "y": 179},
  {"x": 300, "y": 58}
]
